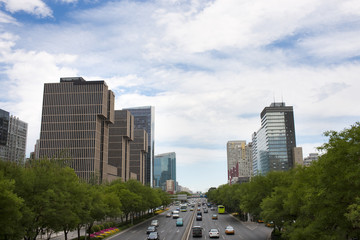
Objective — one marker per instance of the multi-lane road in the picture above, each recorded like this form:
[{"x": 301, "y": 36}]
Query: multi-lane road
[{"x": 169, "y": 231}]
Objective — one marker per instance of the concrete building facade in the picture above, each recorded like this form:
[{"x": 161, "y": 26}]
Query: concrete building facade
[
  {"x": 311, "y": 158},
  {"x": 239, "y": 161},
  {"x": 76, "y": 115},
  {"x": 138, "y": 153},
  {"x": 121, "y": 134},
  {"x": 13, "y": 136}
]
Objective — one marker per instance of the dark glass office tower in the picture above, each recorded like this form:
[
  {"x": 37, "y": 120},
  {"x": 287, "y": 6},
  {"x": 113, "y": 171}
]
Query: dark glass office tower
[
  {"x": 144, "y": 118},
  {"x": 273, "y": 144},
  {"x": 4, "y": 126}
]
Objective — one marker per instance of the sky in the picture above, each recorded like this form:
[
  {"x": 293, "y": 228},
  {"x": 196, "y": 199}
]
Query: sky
[{"x": 209, "y": 67}]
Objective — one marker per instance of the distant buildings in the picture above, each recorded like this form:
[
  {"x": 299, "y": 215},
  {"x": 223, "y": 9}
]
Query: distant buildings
[
  {"x": 239, "y": 160},
  {"x": 311, "y": 158},
  {"x": 165, "y": 169},
  {"x": 13, "y": 133},
  {"x": 79, "y": 123},
  {"x": 144, "y": 118},
  {"x": 274, "y": 142}
]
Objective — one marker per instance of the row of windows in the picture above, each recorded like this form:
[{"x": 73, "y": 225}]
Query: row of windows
[
  {"x": 72, "y": 109},
  {"x": 69, "y": 118},
  {"x": 67, "y": 144},
  {"x": 64, "y": 135},
  {"x": 67, "y": 153},
  {"x": 83, "y": 165},
  {"x": 74, "y": 99},
  {"x": 85, "y": 126},
  {"x": 71, "y": 88}
]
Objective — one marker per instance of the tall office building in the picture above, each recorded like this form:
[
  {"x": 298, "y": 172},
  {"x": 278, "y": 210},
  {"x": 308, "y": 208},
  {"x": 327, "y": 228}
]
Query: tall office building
[
  {"x": 76, "y": 115},
  {"x": 144, "y": 118},
  {"x": 121, "y": 133},
  {"x": 239, "y": 161},
  {"x": 138, "y": 153},
  {"x": 13, "y": 134},
  {"x": 274, "y": 142},
  {"x": 164, "y": 169}
]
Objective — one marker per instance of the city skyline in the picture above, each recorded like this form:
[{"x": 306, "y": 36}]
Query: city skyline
[{"x": 208, "y": 67}]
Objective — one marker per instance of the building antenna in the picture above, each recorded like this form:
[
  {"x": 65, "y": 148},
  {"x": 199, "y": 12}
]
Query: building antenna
[{"x": 274, "y": 96}]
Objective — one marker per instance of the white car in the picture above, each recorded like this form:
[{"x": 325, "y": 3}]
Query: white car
[
  {"x": 214, "y": 233},
  {"x": 155, "y": 223}
]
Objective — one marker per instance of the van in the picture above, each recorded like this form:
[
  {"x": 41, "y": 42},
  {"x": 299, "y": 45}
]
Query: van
[{"x": 197, "y": 231}]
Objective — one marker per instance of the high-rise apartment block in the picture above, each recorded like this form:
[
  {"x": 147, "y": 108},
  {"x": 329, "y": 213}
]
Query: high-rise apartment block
[
  {"x": 144, "y": 118},
  {"x": 76, "y": 115},
  {"x": 274, "y": 142},
  {"x": 121, "y": 134},
  {"x": 239, "y": 161},
  {"x": 13, "y": 134},
  {"x": 164, "y": 169}
]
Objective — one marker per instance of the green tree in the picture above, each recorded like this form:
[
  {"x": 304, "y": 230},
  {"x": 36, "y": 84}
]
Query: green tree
[{"x": 10, "y": 210}]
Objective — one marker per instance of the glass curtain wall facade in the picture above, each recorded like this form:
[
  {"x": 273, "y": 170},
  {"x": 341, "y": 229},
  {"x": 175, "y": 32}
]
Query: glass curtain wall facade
[
  {"x": 275, "y": 141},
  {"x": 75, "y": 125},
  {"x": 164, "y": 169},
  {"x": 144, "y": 118}
]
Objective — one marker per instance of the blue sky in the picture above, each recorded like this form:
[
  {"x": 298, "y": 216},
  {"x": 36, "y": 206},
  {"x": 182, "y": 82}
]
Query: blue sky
[{"x": 208, "y": 67}]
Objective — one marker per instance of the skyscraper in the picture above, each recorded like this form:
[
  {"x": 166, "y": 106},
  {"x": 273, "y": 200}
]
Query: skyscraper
[
  {"x": 75, "y": 124},
  {"x": 144, "y": 118},
  {"x": 239, "y": 158},
  {"x": 13, "y": 134},
  {"x": 121, "y": 133},
  {"x": 164, "y": 169},
  {"x": 273, "y": 143},
  {"x": 138, "y": 153}
]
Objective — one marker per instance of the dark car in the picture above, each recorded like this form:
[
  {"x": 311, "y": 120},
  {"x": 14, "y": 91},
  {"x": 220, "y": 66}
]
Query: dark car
[
  {"x": 197, "y": 231},
  {"x": 154, "y": 236},
  {"x": 198, "y": 218},
  {"x": 150, "y": 229}
]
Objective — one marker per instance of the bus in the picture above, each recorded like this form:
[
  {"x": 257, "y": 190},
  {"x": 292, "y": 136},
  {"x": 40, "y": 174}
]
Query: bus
[
  {"x": 183, "y": 207},
  {"x": 221, "y": 209}
]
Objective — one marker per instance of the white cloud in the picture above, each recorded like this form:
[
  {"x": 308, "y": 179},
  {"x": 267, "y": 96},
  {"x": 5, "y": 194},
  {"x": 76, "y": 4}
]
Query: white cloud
[
  {"x": 35, "y": 7},
  {"x": 204, "y": 65}
]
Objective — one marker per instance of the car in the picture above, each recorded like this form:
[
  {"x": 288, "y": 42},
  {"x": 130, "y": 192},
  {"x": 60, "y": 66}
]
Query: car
[
  {"x": 198, "y": 218},
  {"x": 176, "y": 215},
  {"x": 199, "y": 213},
  {"x": 150, "y": 229},
  {"x": 205, "y": 210},
  {"x": 155, "y": 223},
  {"x": 229, "y": 230},
  {"x": 197, "y": 231},
  {"x": 168, "y": 214},
  {"x": 179, "y": 222},
  {"x": 154, "y": 236},
  {"x": 191, "y": 209},
  {"x": 214, "y": 217},
  {"x": 212, "y": 209},
  {"x": 214, "y": 233}
]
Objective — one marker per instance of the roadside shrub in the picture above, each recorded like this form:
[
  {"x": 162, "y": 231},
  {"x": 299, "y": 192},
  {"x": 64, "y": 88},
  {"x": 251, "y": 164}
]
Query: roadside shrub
[{"x": 95, "y": 228}]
